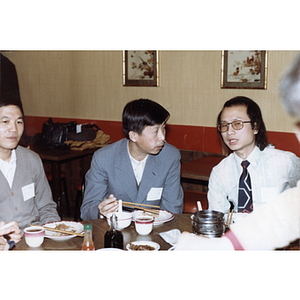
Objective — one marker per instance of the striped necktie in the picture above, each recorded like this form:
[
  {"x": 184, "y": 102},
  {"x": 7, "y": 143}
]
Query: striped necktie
[{"x": 245, "y": 203}]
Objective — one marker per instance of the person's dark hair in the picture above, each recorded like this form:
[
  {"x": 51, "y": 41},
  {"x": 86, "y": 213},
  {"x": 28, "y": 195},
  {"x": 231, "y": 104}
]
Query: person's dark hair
[
  {"x": 254, "y": 113},
  {"x": 290, "y": 89},
  {"x": 138, "y": 114},
  {"x": 6, "y": 102}
]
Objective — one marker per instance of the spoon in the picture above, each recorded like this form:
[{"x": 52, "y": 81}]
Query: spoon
[
  {"x": 199, "y": 205},
  {"x": 120, "y": 206}
]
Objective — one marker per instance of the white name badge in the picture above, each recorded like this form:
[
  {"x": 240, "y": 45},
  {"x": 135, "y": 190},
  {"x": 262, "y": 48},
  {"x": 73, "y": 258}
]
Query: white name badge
[
  {"x": 154, "y": 194},
  {"x": 28, "y": 191}
]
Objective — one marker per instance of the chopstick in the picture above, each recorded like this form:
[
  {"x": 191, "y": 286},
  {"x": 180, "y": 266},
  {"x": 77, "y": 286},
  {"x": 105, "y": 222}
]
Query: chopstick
[
  {"x": 59, "y": 230},
  {"x": 152, "y": 211},
  {"x": 229, "y": 218},
  {"x": 132, "y": 203}
]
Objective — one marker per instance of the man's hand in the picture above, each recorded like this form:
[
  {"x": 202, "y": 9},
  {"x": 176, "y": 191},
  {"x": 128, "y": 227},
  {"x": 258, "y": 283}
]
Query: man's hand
[
  {"x": 108, "y": 205},
  {"x": 13, "y": 231}
]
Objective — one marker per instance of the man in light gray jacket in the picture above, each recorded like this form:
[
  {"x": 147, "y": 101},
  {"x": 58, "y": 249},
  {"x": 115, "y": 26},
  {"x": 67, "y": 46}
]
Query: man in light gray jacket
[{"x": 141, "y": 168}]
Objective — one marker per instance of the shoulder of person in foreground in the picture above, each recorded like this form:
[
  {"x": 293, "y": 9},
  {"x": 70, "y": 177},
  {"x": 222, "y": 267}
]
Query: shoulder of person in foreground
[{"x": 272, "y": 225}]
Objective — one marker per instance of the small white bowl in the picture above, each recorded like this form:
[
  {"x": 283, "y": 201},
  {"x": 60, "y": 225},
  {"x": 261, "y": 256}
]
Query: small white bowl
[
  {"x": 123, "y": 219},
  {"x": 34, "y": 236},
  {"x": 144, "y": 225}
]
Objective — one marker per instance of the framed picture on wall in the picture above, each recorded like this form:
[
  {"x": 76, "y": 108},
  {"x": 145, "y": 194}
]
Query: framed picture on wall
[
  {"x": 244, "y": 69},
  {"x": 140, "y": 68}
]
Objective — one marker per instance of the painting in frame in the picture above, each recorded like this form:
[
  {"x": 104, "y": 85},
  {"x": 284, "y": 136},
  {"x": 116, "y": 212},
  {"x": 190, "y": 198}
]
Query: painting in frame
[
  {"x": 244, "y": 69},
  {"x": 140, "y": 68}
]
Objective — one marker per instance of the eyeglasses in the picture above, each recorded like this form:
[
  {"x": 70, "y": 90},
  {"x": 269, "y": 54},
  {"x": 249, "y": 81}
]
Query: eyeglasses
[{"x": 236, "y": 125}]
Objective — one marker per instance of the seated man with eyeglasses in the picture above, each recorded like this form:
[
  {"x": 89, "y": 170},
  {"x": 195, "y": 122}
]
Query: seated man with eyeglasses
[{"x": 255, "y": 172}]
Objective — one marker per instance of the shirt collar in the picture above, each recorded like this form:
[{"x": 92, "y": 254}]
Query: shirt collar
[
  {"x": 12, "y": 160},
  {"x": 252, "y": 157},
  {"x": 133, "y": 160}
]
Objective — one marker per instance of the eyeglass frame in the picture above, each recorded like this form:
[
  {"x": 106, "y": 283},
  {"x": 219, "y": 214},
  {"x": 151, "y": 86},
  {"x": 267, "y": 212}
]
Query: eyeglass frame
[{"x": 227, "y": 124}]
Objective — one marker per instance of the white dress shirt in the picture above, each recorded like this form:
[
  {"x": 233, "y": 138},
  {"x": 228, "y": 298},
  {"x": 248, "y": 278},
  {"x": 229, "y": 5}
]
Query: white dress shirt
[
  {"x": 8, "y": 168},
  {"x": 138, "y": 167},
  {"x": 271, "y": 171}
]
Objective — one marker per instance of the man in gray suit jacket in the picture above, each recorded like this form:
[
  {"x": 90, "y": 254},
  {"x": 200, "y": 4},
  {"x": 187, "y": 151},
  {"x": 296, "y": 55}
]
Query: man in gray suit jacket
[{"x": 141, "y": 168}]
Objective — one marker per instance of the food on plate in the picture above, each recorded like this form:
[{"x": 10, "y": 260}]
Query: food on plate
[
  {"x": 63, "y": 226},
  {"x": 145, "y": 213},
  {"x": 140, "y": 247}
]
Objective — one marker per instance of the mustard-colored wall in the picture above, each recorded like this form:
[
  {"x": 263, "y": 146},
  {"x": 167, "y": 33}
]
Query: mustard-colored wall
[{"x": 88, "y": 85}]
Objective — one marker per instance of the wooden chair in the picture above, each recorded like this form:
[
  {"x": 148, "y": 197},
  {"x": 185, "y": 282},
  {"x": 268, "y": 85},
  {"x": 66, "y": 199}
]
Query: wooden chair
[
  {"x": 78, "y": 200},
  {"x": 64, "y": 191},
  {"x": 190, "y": 201}
]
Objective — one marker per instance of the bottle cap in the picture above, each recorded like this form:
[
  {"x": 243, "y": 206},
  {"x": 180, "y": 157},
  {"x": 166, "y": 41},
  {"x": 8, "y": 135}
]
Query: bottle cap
[{"x": 88, "y": 227}]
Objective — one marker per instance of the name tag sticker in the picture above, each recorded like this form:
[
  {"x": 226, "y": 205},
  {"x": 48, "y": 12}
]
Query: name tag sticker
[
  {"x": 154, "y": 194},
  {"x": 28, "y": 191}
]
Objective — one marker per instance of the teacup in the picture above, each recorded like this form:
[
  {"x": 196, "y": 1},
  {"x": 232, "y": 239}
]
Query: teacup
[
  {"x": 144, "y": 224},
  {"x": 34, "y": 236},
  {"x": 123, "y": 219}
]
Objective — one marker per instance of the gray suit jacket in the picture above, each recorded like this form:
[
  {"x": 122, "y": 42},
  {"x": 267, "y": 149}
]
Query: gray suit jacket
[{"x": 111, "y": 173}]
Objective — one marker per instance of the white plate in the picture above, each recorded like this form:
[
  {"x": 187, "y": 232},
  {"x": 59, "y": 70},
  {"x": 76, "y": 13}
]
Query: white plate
[
  {"x": 164, "y": 216},
  {"x": 77, "y": 226},
  {"x": 144, "y": 243}
]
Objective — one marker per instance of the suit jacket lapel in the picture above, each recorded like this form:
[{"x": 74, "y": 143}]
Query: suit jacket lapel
[
  {"x": 125, "y": 172},
  {"x": 148, "y": 179}
]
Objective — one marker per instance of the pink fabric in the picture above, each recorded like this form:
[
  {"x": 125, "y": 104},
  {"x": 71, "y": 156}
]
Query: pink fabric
[{"x": 233, "y": 239}]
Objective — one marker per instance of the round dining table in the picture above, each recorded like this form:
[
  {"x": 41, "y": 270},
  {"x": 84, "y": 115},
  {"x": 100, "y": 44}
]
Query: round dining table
[{"x": 100, "y": 227}]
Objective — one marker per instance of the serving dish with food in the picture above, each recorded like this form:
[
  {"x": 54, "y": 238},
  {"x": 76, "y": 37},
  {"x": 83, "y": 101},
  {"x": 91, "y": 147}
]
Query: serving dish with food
[
  {"x": 142, "y": 246},
  {"x": 69, "y": 226}
]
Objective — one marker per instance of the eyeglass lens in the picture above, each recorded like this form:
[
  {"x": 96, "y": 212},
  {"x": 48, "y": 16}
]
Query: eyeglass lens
[{"x": 236, "y": 125}]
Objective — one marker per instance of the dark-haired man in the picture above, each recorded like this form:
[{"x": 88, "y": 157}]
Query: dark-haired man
[
  {"x": 141, "y": 168},
  {"x": 268, "y": 171},
  {"x": 270, "y": 226},
  {"x": 25, "y": 192}
]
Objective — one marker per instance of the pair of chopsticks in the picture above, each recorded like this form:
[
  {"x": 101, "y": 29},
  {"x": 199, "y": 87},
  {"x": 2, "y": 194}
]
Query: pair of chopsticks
[
  {"x": 59, "y": 230},
  {"x": 229, "y": 218},
  {"x": 140, "y": 206},
  {"x": 230, "y": 212}
]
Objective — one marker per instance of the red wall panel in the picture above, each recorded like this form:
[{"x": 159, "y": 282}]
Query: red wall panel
[{"x": 197, "y": 138}]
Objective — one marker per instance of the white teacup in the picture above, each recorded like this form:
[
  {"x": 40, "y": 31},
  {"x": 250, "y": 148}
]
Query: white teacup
[
  {"x": 123, "y": 219},
  {"x": 34, "y": 236},
  {"x": 144, "y": 224}
]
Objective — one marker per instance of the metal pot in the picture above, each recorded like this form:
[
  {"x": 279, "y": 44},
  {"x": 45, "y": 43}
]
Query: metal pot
[{"x": 209, "y": 223}]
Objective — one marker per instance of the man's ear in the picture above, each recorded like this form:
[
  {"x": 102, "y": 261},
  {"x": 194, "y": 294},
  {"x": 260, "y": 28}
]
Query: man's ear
[
  {"x": 132, "y": 136},
  {"x": 255, "y": 128}
]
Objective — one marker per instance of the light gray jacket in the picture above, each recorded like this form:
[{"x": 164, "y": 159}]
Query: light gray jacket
[
  {"x": 111, "y": 173},
  {"x": 17, "y": 203}
]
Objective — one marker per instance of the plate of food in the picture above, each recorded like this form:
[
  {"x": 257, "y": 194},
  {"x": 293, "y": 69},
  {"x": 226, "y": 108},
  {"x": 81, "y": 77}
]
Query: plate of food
[
  {"x": 63, "y": 225},
  {"x": 142, "y": 246},
  {"x": 162, "y": 217}
]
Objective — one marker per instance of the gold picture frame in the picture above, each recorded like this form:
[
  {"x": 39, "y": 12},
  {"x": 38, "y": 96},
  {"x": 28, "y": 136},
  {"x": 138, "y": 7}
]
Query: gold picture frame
[
  {"x": 244, "y": 69},
  {"x": 141, "y": 68}
]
